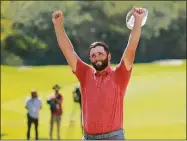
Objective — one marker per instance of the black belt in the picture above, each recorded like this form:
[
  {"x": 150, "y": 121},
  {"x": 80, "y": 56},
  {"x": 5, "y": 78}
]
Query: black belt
[{"x": 103, "y": 136}]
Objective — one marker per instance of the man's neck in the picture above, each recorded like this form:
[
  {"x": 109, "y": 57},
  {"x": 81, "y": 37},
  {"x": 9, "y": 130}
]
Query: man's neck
[{"x": 99, "y": 72}]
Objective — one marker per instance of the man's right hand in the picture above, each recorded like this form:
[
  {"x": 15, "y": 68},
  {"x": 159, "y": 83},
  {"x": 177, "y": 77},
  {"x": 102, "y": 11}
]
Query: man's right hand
[
  {"x": 57, "y": 18},
  {"x": 66, "y": 45}
]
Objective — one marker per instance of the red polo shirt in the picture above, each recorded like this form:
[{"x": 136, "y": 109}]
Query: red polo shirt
[{"x": 102, "y": 97}]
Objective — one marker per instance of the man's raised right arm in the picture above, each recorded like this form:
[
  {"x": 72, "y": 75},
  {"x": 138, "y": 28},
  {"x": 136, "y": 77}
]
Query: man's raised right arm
[{"x": 63, "y": 40}]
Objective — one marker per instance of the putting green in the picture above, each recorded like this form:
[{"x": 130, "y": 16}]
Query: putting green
[{"x": 154, "y": 105}]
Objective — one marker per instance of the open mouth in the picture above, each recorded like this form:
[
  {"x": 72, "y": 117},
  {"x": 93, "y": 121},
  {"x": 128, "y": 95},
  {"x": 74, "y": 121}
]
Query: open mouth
[{"x": 99, "y": 63}]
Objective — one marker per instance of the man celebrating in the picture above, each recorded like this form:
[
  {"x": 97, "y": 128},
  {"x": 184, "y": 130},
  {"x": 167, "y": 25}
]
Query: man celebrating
[{"x": 103, "y": 88}]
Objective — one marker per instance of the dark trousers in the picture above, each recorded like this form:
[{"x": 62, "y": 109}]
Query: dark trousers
[{"x": 31, "y": 120}]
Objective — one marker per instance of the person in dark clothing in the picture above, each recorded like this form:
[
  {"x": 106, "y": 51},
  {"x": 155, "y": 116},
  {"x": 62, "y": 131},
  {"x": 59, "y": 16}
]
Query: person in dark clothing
[
  {"x": 77, "y": 95},
  {"x": 77, "y": 99}
]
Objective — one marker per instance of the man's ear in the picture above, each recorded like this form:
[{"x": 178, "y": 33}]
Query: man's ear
[{"x": 109, "y": 56}]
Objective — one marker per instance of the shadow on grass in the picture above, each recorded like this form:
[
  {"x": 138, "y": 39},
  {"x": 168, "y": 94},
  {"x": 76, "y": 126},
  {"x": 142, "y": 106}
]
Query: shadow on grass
[
  {"x": 43, "y": 138},
  {"x": 3, "y": 134}
]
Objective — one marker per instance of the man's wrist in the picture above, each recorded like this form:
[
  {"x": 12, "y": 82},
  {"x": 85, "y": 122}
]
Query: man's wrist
[
  {"x": 138, "y": 21},
  {"x": 58, "y": 25}
]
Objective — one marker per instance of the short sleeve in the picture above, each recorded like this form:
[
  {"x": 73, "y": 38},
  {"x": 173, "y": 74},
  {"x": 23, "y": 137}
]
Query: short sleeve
[
  {"x": 26, "y": 102},
  {"x": 122, "y": 75},
  {"x": 40, "y": 102},
  {"x": 61, "y": 99},
  {"x": 81, "y": 70}
]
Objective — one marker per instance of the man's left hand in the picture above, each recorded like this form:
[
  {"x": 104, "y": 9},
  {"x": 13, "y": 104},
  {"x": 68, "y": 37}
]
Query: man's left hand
[{"x": 138, "y": 13}]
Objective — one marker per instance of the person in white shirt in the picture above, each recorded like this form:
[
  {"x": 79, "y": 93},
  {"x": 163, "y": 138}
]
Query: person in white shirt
[{"x": 33, "y": 105}]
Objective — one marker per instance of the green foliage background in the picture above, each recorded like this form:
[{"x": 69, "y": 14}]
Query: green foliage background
[{"x": 28, "y": 37}]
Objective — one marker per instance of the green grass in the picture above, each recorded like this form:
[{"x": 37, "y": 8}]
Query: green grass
[{"x": 154, "y": 105}]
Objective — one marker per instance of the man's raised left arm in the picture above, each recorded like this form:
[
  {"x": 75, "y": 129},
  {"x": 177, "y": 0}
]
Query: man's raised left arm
[{"x": 129, "y": 53}]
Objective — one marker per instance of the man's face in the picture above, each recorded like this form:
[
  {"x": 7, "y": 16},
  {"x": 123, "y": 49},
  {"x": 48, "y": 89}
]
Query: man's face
[
  {"x": 34, "y": 94},
  {"x": 99, "y": 58}
]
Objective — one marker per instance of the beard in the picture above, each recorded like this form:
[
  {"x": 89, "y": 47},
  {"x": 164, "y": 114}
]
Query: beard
[{"x": 101, "y": 66}]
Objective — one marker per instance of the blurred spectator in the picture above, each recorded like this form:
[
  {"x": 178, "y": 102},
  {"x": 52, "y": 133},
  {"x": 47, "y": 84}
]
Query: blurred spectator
[
  {"x": 77, "y": 95},
  {"x": 55, "y": 102},
  {"x": 77, "y": 99},
  {"x": 33, "y": 105}
]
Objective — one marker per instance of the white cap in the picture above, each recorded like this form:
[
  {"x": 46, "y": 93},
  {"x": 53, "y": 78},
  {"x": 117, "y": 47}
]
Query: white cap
[{"x": 130, "y": 19}]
